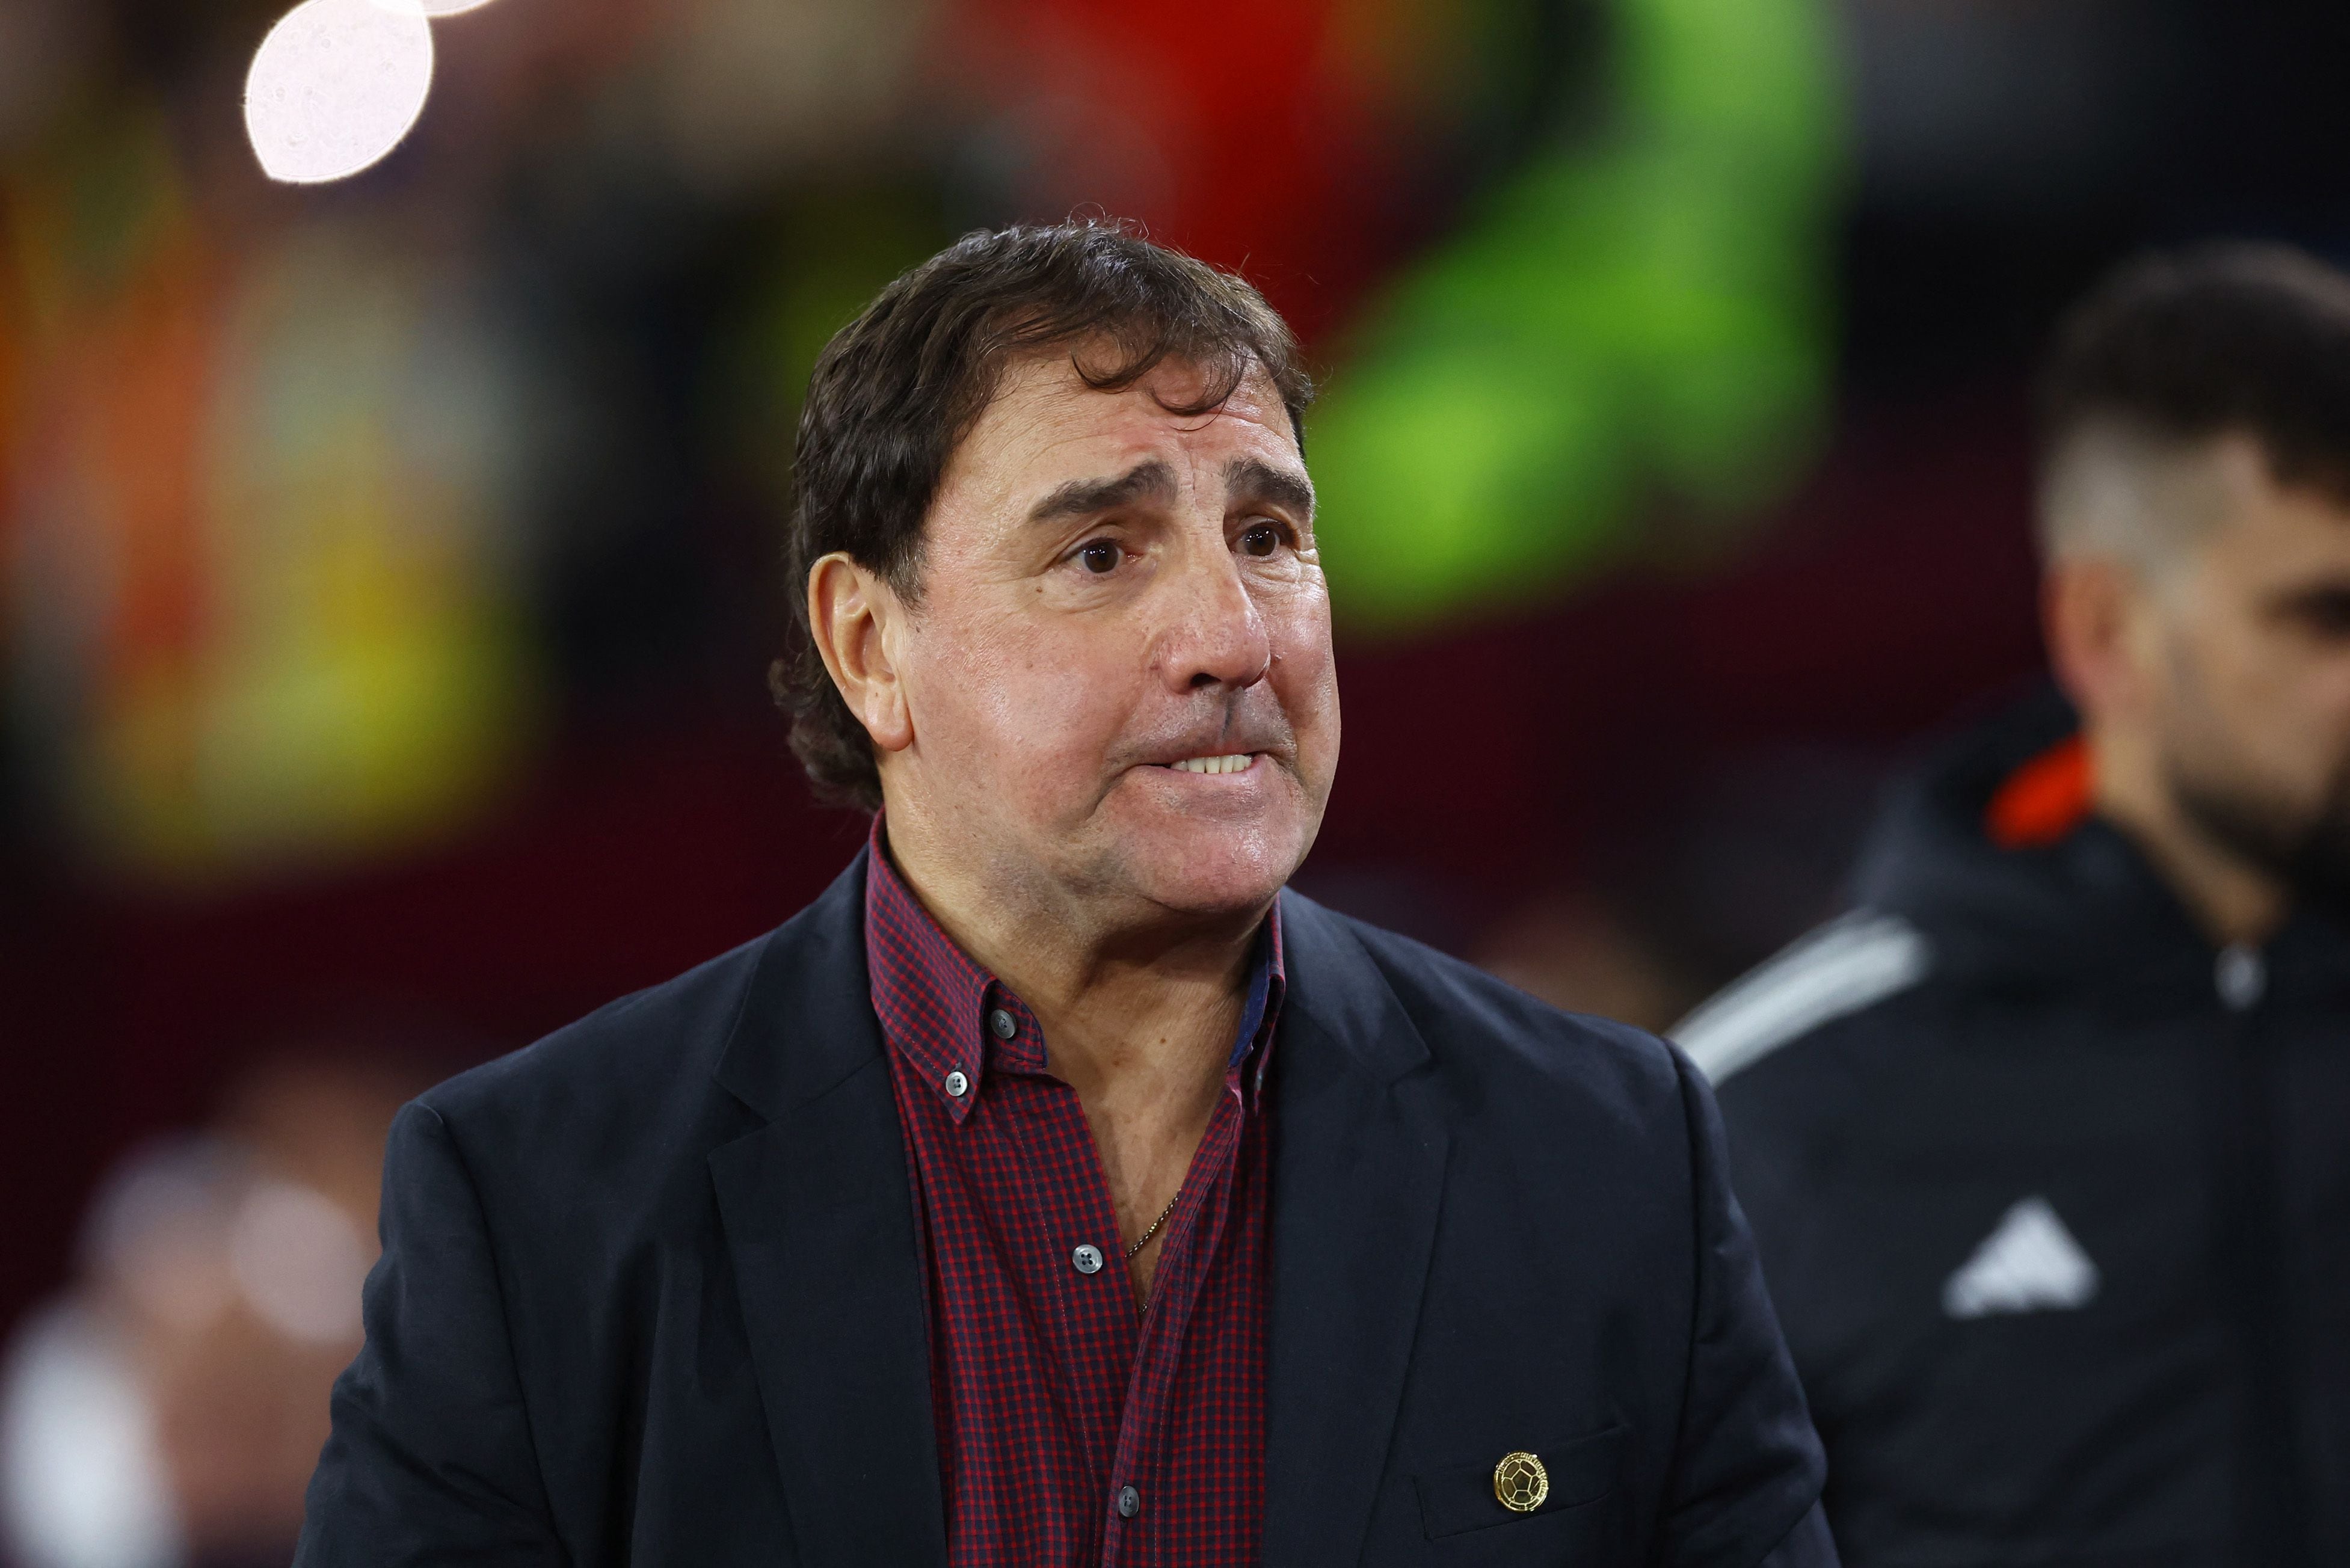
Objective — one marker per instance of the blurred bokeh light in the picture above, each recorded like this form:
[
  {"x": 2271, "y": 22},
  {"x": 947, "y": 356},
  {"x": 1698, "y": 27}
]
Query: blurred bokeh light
[{"x": 335, "y": 86}]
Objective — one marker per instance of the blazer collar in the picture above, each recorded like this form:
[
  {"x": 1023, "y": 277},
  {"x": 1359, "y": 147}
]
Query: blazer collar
[
  {"x": 806, "y": 1020},
  {"x": 1360, "y": 1141},
  {"x": 819, "y": 1220},
  {"x": 1333, "y": 980}
]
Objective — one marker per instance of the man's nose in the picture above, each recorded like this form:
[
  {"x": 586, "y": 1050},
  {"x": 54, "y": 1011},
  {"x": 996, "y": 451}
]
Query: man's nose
[{"x": 1216, "y": 636}]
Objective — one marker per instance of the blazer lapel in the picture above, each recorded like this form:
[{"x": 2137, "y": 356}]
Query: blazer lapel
[
  {"x": 819, "y": 1223},
  {"x": 1358, "y": 1171}
]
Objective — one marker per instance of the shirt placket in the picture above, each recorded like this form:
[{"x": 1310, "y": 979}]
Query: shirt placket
[
  {"x": 1063, "y": 1395},
  {"x": 1071, "y": 1240},
  {"x": 1138, "y": 1494}
]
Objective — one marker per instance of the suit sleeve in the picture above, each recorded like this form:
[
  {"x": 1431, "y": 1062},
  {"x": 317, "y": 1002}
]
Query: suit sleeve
[
  {"x": 431, "y": 1457},
  {"x": 1748, "y": 1471}
]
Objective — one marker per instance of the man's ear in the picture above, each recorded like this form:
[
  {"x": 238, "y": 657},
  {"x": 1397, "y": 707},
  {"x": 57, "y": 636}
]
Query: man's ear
[
  {"x": 854, "y": 616},
  {"x": 2093, "y": 612}
]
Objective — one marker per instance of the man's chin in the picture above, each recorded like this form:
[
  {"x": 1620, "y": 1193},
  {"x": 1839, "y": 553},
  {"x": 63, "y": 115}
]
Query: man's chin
[
  {"x": 2310, "y": 859},
  {"x": 1210, "y": 871},
  {"x": 1209, "y": 891}
]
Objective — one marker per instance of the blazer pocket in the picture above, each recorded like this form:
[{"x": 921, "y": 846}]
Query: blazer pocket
[{"x": 1460, "y": 1497}]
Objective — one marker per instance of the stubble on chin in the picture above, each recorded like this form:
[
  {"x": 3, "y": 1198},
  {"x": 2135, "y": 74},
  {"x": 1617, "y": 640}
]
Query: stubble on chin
[
  {"x": 2305, "y": 848},
  {"x": 1237, "y": 868}
]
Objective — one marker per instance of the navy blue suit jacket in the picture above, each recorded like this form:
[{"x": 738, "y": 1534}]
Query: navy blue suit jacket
[{"x": 649, "y": 1291}]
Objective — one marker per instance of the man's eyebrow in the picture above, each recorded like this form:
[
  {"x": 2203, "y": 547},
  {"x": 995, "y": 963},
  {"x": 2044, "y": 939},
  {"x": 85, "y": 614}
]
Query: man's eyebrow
[
  {"x": 1254, "y": 478},
  {"x": 1151, "y": 480}
]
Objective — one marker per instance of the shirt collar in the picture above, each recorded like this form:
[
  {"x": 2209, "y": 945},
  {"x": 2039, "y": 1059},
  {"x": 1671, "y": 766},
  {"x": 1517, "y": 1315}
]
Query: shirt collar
[
  {"x": 1268, "y": 984},
  {"x": 940, "y": 1010}
]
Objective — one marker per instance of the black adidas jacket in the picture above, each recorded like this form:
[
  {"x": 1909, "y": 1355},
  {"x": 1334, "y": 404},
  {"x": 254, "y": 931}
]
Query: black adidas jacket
[{"x": 2054, "y": 1199}]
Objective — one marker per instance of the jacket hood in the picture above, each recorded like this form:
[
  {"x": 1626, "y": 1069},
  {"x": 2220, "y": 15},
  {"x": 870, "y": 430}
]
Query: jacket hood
[{"x": 2074, "y": 899}]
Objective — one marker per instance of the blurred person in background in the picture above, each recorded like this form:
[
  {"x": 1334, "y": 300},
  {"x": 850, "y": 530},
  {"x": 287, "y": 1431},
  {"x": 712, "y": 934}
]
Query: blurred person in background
[
  {"x": 946, "y": 1223},
  {"x": 166, "y": 1412},
  {"x": 2043, "y": 1145}
]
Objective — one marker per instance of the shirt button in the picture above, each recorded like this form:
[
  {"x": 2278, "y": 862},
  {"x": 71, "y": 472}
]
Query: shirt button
[
  {"x": 2241, "y": 977},
  {"x": 1129, "y": 1502},
  {"x": 957, "y": 1085},
  {"x": 1087, "y": 1259},
  {"x": 1003, "y": 1023}
]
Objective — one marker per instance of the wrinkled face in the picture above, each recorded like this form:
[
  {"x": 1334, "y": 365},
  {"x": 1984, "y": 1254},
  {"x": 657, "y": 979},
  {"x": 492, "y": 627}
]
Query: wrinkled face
[
  {"x": 1119, "y": 676},
  {"x": 2248, "y": 661}
]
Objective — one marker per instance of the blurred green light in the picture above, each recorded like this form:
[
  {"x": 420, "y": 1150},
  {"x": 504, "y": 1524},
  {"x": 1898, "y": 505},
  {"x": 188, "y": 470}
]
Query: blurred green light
[{"x": 1639, "y": 317}]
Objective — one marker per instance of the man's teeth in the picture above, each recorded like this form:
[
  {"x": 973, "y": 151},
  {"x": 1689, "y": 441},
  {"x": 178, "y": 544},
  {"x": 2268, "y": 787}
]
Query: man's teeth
[{"x": 1236, "y": 764}]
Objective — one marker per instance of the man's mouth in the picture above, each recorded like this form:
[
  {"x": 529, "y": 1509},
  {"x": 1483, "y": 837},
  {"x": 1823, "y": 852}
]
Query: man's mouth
[{"x": 1236, "y": 763}]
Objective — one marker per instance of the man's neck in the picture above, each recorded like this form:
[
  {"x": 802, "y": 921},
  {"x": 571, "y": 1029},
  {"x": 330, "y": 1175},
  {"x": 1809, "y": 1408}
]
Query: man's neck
[
  {"x": 2230, "y": 900},
  {"x": 1115, "y": 980},
  {"x": 1138, "y": 1015}
]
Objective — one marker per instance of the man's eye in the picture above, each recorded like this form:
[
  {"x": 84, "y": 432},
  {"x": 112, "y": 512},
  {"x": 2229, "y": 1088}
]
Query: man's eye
[
  {"x": 1262, "y": 540},
  {"x": 1100, "y": 556},
  {"x": 2327, "y": 614}
]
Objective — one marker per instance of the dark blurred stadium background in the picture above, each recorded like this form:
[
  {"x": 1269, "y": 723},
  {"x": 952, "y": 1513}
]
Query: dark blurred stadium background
[{"x": 388, "y": 568}]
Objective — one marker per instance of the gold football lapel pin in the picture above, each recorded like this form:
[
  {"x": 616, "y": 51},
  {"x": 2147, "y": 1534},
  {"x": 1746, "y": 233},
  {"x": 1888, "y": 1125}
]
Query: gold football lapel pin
[{"x": 1520, "y": 1482}]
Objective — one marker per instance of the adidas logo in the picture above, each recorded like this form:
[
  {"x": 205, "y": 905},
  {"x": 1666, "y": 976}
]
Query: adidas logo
[{"x": 2030, "y": 1262}]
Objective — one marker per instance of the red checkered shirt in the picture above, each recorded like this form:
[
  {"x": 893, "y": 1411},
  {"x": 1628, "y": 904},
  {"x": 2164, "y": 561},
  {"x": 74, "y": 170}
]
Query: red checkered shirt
[{"x": 1072, "y": 1429}]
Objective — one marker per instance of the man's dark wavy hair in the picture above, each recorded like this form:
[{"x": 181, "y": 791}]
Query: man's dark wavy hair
[
  {"x": 898, "y": 389},
  {"x": 2228, "y": 337}
]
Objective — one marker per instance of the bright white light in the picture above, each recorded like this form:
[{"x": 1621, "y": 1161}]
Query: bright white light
[
  {"x": 335, "y": 86},
  {"x": 430, "y": 7}
]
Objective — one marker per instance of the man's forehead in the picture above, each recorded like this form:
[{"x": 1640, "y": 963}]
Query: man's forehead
[{"x": 1045, "y": 415}]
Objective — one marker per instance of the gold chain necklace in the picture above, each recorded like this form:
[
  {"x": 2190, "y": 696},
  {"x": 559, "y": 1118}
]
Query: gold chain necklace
[{"x": 1144, "y": 1239}]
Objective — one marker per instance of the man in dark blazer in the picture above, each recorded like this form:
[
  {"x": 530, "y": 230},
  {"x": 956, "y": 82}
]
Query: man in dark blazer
[{"x": 1057, "y": 1188}]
